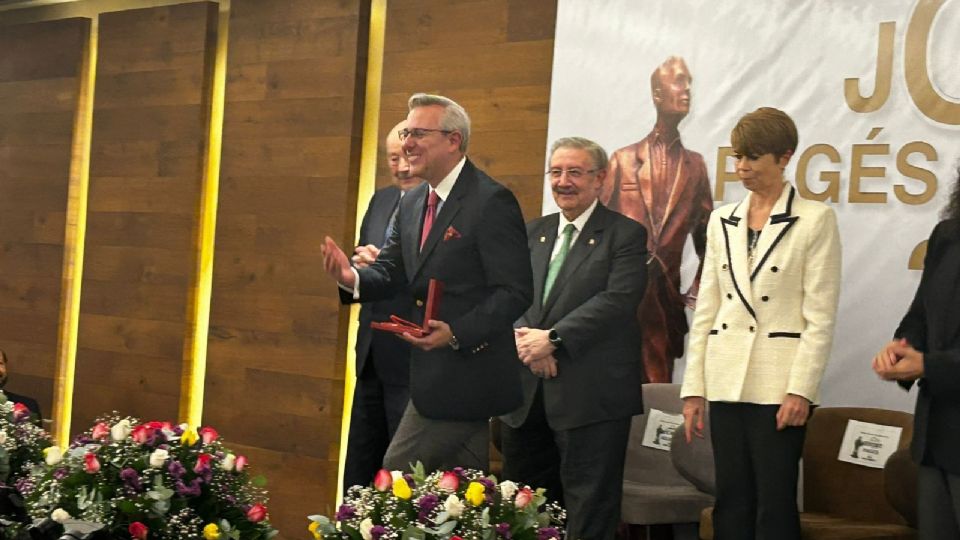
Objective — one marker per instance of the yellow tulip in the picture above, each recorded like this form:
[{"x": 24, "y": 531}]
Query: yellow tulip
[
  {"x": 189, "y": 437},
  {"x": 211, "y": 531},
  {"x": 401, "y": 489},
  {"x": 314, "y": 529},
  {"x": 475, "y": 493}
]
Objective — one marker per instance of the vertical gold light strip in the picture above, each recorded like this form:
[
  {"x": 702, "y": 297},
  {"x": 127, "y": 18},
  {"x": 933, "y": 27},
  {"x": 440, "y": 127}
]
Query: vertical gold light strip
[
  {"x": 367, "y": 181},
  {"x": 73, "y": 244},
  {"x": 198, "y": 316}
]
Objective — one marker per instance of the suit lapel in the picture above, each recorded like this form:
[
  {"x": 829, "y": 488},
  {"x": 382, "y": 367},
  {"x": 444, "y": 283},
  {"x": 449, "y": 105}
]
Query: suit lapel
[
  {"x": 450, "y": 208},
  {"x": 735, "y": 244},
  {"x": 588, "y": 239},
  {"x": 644, "y": 180},
  {"x": 540, "y": 250},
  {"x": 781, "y": 219},
  {"x": 679, "y": 184}
]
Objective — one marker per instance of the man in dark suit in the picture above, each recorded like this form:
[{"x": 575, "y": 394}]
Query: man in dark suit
[
  {"x": 465, "y": 230},
  {"x": 29, "y": 402},
  {"x": 581, "y": 342},
  {"x": 383, "y": 361}
]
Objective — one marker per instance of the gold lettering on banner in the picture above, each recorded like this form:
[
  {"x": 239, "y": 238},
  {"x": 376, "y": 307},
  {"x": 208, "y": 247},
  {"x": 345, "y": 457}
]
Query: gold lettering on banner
[
  {"x": 858, "y": 171},
  {"x": 884, "y": 73},
  {"x": 831, "y": 178},
  {"x": 916, "y": 257},
  {"x": 925, "y": 176},
  {"x": 924, "y": 95},
  {"x": 723, "y": 175}
]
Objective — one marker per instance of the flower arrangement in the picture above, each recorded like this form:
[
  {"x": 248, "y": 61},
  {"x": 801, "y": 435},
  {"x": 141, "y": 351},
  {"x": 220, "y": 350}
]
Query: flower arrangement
[
  {"x": 461, "y": 504},
  {"x": 151, "y": 481},
  {"x": 22, "y": 442}
]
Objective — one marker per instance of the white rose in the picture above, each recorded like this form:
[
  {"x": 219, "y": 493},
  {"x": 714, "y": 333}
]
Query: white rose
[
  {"x": 395, "y": 475},
  {"x": 60, "y": 515},
  {"x": 158, "y": 458},
  {"x": 52, "y": 455},
  {"x": 228, "y": 462},
  {"x": 508, "y": 489},
  {"x": 3, "y": 437},
  {"x": 365, "y": 527},
  {"x": 120, "y": 430},
  {"x": 453, "y": 506}
]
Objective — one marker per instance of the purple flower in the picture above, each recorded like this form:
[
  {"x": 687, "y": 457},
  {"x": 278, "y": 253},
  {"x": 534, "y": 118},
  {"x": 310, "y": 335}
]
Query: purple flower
[
  {"x": 546, "y": 533},
  {"x": 410, "y": 481},
  {"x": 503, "y": 530},
  {"x": 60, "y": 473},
  {"x": 459, "y": 472},
  {"x": 377, "y": 531},
  {"x": 345, "y": 512},
  {"x": 487, "y": 483},
  {"x": 176, "y": 469},
  {"x": 131, "y": 479},
  {"x": 426, "y": 504},
  {"x": 192, "y": 490}
]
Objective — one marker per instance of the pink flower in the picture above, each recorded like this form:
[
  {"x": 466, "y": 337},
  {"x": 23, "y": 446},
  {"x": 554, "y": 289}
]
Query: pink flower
[
  {"x": 138, "y": 530},
  {"x": 208, "y": 434},
  {"x": 20, "y": 412},
  {"x": 90, "y": 463},
  {"x": 257, "y": 513},
  {"x": 449, "y": 481},
  {"x": 101, "y": 431},
  {"x": 203, "y": 464},
  {"x": 241, "y": 463},
  {"x": 140, "y": 434},
  {"x": 524, "y": 496},
  {"x": 383, "y": 480}
]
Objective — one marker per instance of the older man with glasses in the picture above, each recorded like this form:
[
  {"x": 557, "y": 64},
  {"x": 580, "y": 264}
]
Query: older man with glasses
[{"x": 465, "y": 230}]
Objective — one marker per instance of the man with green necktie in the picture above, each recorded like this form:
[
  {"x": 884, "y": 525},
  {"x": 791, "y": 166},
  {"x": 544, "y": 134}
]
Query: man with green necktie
[{"x": 581, "y": 343}]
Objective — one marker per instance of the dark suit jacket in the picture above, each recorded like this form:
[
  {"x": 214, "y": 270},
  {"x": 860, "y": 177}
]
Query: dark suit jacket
[
  {"x": 389, "y": 356},
  {"x": 932, "y": 325},
  {"x": 592, "y": 306},
  {"x": 478, "y": 249},
  {"x": 29, "y": 402}
]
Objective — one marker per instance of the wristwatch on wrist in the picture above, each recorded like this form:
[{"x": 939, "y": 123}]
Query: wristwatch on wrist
[
  {"x": 453, "y": 343},
  {"x": 554, "y": 338}
]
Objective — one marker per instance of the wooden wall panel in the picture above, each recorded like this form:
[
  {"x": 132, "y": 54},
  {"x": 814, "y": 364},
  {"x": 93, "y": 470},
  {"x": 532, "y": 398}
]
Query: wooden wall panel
[
  {"x": 290, "y": 161},
  {"x": 150, "y": 122},
  {"x": 40, "y": 67},
  {"x": 497, "y": 65}
]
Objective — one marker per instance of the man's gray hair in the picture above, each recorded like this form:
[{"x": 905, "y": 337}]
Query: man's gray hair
[
  {"x": 454, "y": 117},
  {"x": 597, "y": 153}
]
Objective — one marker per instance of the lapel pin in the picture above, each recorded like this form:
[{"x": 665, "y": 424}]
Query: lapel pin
[
  {"x": 591, "y": 241},
  {"x": 543, "y": 239}
]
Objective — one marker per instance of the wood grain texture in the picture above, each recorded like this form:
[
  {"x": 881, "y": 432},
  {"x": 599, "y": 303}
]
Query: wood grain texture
[
  {"x": 146, "y": 168},
  {"x": 39, "y": 87},
  {"x": 288, "y": 176}
]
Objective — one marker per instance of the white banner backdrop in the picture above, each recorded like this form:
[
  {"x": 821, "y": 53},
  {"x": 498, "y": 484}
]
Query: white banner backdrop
[{"x": 888, "y": 169}]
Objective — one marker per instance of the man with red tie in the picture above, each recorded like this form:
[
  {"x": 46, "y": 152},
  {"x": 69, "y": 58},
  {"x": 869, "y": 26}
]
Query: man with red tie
[{"x": 465, "y": 230}]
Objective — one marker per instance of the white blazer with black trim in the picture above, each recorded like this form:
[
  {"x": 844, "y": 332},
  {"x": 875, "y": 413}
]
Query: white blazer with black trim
[{"x": 763, "y": 332}]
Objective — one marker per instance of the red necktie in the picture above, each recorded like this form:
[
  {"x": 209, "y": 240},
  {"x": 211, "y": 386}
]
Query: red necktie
[{"x": 429, "y": 216}]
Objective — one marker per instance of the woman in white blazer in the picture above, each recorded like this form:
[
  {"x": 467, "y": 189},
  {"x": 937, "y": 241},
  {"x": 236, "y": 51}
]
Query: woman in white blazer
[{"x": 762, "y": 333}]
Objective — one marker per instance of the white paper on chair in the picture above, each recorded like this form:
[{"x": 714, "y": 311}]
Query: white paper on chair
[
  {"x": 869, "y": 444},
  {"x": 659, "y": 430}
]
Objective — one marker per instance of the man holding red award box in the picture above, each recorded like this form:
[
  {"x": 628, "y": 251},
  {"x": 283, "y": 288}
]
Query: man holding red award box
[{"x": 466, "y": 231}]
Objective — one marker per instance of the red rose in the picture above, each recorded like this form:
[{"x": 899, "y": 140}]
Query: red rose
[
  {"x": 138, "y": 530},
  {"x": 449, "y": 481},
  {"x": 140, "y": 434},
  {"x": 203, "y": 463},
  {"x": 91, "y": 464},
  {"x": 208, "y": 434},
  {"x": 100, "y": 431},
  {"x": 20, "y": 412},
  {"x": 383, "y": 480},
  {"x": 257, "y": 513},
  {"x": 524, "y": 496},
  {"x": 241, "y": 463}
]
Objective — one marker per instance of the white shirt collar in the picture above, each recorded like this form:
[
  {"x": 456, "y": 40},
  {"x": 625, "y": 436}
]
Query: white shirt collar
[
  {"x": 579, "y": 222},
  {"x": 445, "y": 186}
]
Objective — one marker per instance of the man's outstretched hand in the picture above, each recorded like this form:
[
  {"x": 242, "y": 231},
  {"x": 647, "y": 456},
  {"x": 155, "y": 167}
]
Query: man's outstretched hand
[{"x": 336, "y": 263}]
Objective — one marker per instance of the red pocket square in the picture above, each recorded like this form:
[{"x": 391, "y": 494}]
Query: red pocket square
[{"x": 450, "y": 233}]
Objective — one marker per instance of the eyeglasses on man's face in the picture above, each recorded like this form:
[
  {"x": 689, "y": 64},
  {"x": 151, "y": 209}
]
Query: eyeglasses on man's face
[
  {"x": 419, "y": 133},
  {"x": 573, "y": 174}
]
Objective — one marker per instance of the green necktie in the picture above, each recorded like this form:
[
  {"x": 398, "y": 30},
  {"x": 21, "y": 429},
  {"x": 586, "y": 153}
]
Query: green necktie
[{"x": 557, "y": 263}]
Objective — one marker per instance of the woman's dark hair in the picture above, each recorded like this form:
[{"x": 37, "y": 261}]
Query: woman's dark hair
[{"x": 952, "y": 210}]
